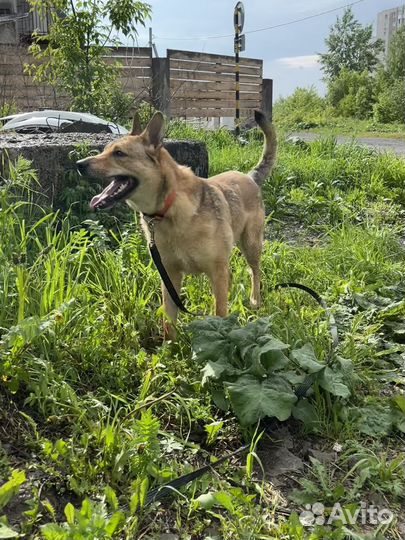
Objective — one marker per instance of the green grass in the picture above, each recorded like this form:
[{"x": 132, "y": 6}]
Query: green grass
[
  {"x": 354, "y": 127},
  {"x": 95, "y": 409}
]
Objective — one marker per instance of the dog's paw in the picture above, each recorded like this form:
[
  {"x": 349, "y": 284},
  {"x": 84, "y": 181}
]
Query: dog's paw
[{"x": 169, "y": 332}]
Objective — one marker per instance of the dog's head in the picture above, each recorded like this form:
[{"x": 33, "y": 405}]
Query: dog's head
[{"x": 131, "y": 164}]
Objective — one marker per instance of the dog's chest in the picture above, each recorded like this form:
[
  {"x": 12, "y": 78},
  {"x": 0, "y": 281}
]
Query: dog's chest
[{"x": 179, "y": 249}]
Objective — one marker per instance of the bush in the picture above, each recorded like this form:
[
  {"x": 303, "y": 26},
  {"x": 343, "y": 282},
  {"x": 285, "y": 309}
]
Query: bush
[
  {"x": 352, "y": 94},
  {"x": 390, "y": 104},
  {"x": 303, "y": 109}
]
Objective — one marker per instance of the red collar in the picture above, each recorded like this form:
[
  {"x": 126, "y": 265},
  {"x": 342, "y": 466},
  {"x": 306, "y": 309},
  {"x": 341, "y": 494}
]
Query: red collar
[{"x": 166, "y": 206}]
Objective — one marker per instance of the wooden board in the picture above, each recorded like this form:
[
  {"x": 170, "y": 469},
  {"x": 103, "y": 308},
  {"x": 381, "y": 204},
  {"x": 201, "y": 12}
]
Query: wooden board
[
  {"x": 28, "y": 91},
  {"x": 131, "y": 51},
  {"x": 16, "y": 59},
  {"x": 214, "y": 103},
  {"x": 214, "y": 68},
  {"x": 11, "y": 69},
  {"x": 206, "y": 57},
  {"x": 198, "y": 76},
  {"x": 128, "y": 61},
  {"x": 136, "y": 82},
  {"x": 180, "y": 95},
  {"x": 135, "y": 72},
  {"x": 210, "y": 113},
  {"x": 201, "y": 86}
]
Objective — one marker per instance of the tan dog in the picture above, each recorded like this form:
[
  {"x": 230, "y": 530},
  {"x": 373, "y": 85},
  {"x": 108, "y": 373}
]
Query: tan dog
[{"x": 199, "y": 220}]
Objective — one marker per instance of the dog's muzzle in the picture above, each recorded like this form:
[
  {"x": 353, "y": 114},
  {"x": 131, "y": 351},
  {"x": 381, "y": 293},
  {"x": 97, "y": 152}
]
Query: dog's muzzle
[{"x": 117, "y": 190}]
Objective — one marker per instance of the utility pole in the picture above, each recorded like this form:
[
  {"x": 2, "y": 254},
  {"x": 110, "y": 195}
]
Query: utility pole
[
  {"x": 151, "y": 44},
  {"x": 239, "y": 46}
]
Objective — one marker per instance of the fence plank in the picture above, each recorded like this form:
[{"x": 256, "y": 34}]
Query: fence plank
[
  {"x": 11, "y": 69},
  {"x": 214, "y": 67},
  {"x": 181, "y": 95},
  {"x": 206, "y": 57},
  {"x": 203, "y": 86},
  {"x": 131, "y": 51},
  {"x": 229, "y": 70},
  {"x": 136, "y": 82},
  {"x": 214, "y": 103},
  {"x": 208, "y": 113},
  {"x": 198, "y": 76},
  {"x": 128, "y": 62},
  {"x": 135, "y": 71}
]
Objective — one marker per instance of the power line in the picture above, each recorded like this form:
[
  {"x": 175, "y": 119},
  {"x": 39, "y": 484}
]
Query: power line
[{"x": 265, "y": 28}]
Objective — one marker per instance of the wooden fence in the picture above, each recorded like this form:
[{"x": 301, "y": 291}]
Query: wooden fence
[
  {"x": 19, "y": 88},
  {"x": 203, "y": 85},
  {"x": 136, "y": 70},
  {"x": 184, "y": 84}
]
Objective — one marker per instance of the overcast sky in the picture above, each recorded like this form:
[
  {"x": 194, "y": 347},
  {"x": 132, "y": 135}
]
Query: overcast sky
[{"x": 289, "y": 53}]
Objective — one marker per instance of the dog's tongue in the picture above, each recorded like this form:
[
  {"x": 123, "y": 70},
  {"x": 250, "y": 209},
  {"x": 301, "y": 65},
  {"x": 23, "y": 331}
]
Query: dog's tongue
[{"x": 98, "y": 199}]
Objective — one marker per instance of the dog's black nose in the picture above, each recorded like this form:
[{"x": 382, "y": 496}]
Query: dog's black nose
[{"x": 81, "y": 167}]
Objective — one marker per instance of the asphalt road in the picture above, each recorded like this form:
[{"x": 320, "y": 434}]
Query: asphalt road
[{"x": 384, "y": 145}]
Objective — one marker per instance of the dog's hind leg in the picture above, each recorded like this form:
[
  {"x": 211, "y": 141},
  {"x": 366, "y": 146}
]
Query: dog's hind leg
[
  {"x": 251, "y": 244},
  {"x": 169, "y": 306}
]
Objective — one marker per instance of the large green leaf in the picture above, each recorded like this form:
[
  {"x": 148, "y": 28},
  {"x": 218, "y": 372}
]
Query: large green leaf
[
  {"x": 306, "y": 358},
  {"x": 253, "y": 399},
  {"x": 253, "y": 334},
  {"x": 374, "y": 419},
  {"x": 219, "y": 398},
  {"x": 305, "y": 412},
  {"x": 332, "y": 381},
  {"x": 293, "y": 378},
  {"x": 6, "y": 532},
  {"x": 272, "y": 356},
  {"x": 260, "y": 351},
  {"x": 210, "y": 338},
  {"x": 215, "y": 370},
  {"x": 11, "y": 487}
]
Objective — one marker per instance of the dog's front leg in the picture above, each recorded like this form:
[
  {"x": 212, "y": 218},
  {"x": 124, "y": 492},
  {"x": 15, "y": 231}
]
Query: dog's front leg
[
  {"x": 219, "y": 277},
  {"x": 169, "y": 306}
]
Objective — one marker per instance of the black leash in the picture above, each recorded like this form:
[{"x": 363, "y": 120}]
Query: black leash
[
  {"x": 321, "y": 302},
  {"x": 154, "y": 252},
  {"x": 166, "y": 490}
]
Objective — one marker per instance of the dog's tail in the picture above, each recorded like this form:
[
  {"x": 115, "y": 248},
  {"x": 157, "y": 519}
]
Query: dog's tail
[{"x": 266, "y": 163}]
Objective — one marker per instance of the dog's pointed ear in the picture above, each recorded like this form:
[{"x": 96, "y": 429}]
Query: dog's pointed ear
[
  {"x": 156, "y": 129},
  {"x": 136, "y": 125}
]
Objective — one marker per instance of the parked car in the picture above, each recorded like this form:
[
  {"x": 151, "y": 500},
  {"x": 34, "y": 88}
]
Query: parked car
[{"x": 53, "y": 121}]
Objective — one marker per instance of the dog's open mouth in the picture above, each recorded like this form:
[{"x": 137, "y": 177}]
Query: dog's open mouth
[{"x": 118, "y": 190}]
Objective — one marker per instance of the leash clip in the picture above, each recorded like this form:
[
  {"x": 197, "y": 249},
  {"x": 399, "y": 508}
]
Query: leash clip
[{"x": 150, "y": 222}]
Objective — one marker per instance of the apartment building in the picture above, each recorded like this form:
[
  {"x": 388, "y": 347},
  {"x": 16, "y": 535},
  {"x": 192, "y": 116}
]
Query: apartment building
[
  {"x": 388, "y": 22},
  {"x": 18, "y": 21}
]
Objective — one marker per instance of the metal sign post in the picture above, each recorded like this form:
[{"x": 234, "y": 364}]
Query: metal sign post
[{"x": 239, "y": 46}]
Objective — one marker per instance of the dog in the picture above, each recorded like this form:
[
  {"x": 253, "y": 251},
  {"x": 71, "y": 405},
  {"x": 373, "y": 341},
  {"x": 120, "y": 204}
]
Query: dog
[{"x": 197, "y": 221}]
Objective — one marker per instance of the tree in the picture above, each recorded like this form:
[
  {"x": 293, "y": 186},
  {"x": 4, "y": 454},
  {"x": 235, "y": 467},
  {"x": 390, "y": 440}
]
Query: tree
[
  {"x": 395, "y": 66},
  {"x": 350, "y": 46},
  {"x": 352, "y": 93},
  {"x": 70, "y": 57},
  {"x": 303, "y": 109},
  {"x": 390, "y": 82},
  {"x": 390, "y": 103}
]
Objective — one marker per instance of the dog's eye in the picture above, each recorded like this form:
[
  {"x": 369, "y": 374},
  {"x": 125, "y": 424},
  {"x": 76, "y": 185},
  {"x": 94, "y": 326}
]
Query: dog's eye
[{"x": 119, "y": 153}]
